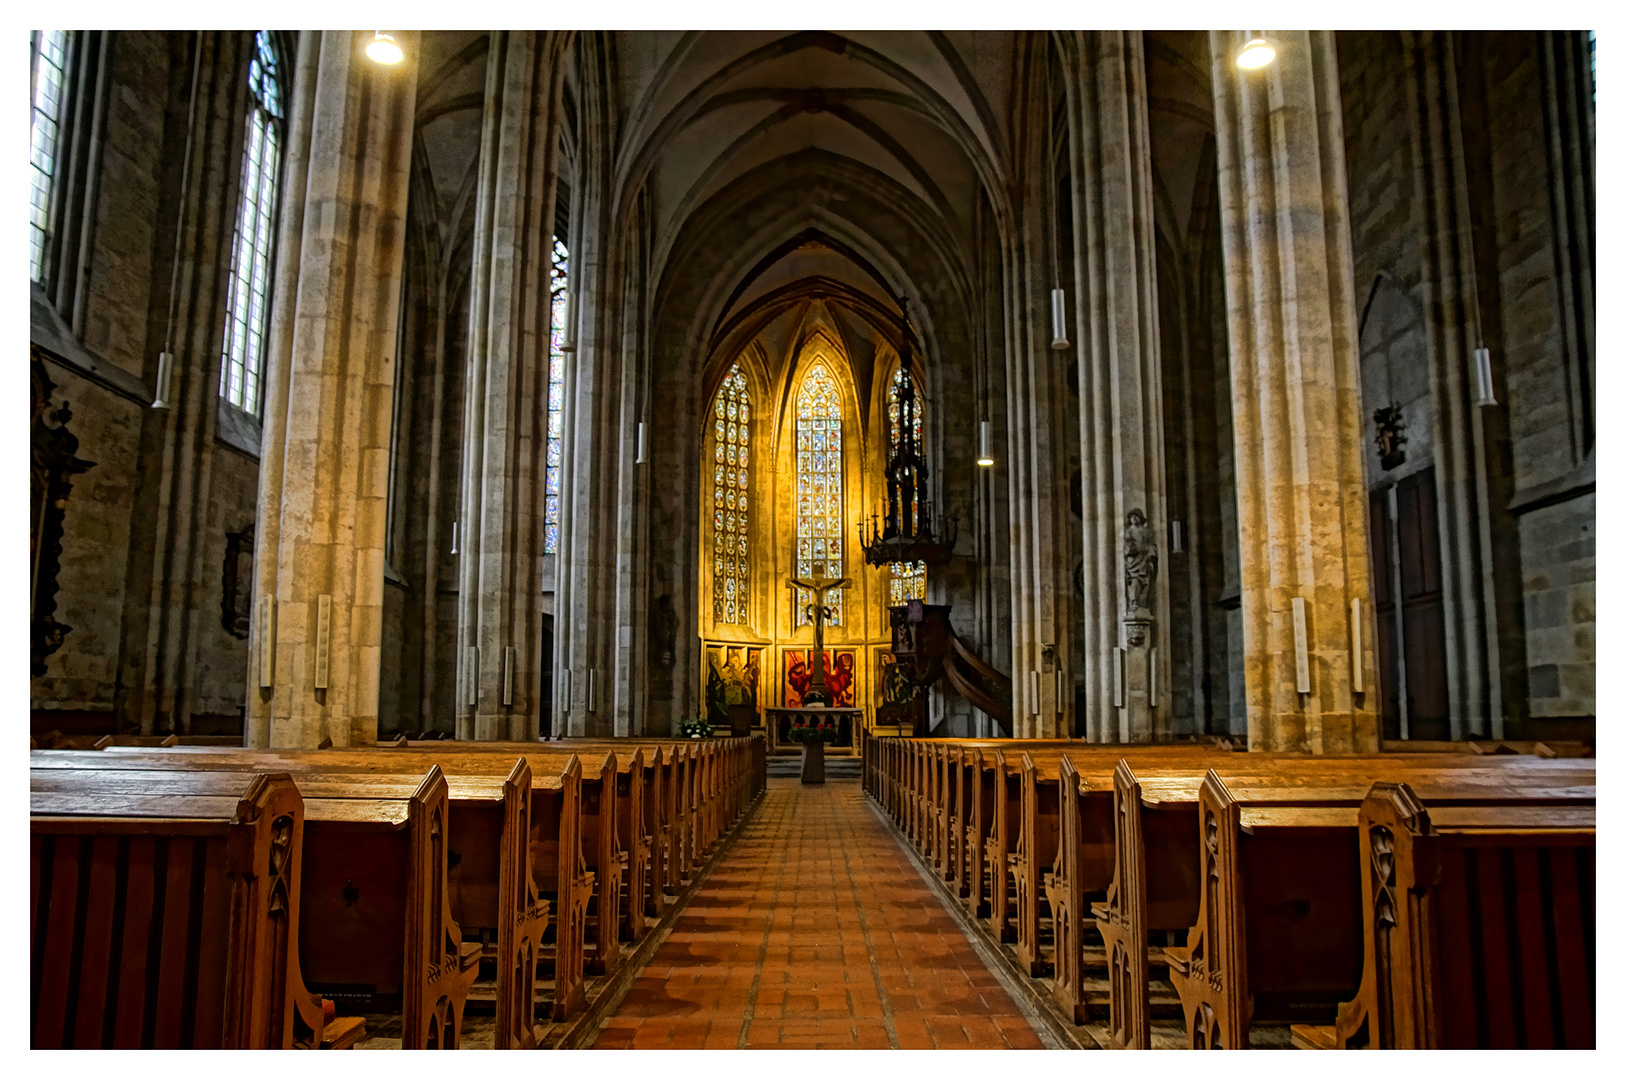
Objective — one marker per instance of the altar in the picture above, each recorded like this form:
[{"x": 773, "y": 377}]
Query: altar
[{"x": 780, "y": 721}]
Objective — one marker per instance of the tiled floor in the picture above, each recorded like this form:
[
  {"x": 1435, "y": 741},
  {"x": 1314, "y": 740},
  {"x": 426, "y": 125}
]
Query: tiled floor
[{"x": 816, "y": 931}]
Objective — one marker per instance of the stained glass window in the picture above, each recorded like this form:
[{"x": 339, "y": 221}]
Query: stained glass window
[
  {"x": 730, "y": 506},
  {"x": 556, "y": 397},
  {"x": 818, "y": 488},
  {"x": 50, "y": 49},
  {"x": 249, "y": 298},
  {"x": 908, "y": 579}
]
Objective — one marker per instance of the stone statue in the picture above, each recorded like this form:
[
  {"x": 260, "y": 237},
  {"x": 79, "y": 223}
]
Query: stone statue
[
  {"x": 1140, "y": 562},
  {"x": 665, "y": 629}
]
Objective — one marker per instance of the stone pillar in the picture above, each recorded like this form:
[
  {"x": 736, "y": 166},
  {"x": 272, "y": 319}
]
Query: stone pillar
[
  {"x": 324, "y": 471},
  {"x": 1452, "y": 318},
  {"x": 1114, "y": 290},
  {"x": 505, "y": 432},
  {"x": 595, "y": 435},
  {"x": 1295, "y": 393},
  {"x": 1035, "y": 395},
  {"x": 170, "y": 581}
]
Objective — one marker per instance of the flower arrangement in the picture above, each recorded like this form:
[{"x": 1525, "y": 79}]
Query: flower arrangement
[
  {"x": 698, "y": 728},
  {"x": 803, "y": 730}
]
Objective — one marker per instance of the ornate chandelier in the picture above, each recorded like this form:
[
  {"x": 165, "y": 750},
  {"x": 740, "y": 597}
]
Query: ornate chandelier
[{"x": 908, "y": 532}]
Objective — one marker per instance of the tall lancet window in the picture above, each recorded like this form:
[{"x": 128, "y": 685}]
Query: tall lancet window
[
  {"x": 50, "y": 49},
  {"x": 730, "y": 499},
  {"x": 250, "y": 296},
  {"x": 818, "y": 488},
  {"x": 556, "y": 397},
  {"x": 908, "y": 578}
]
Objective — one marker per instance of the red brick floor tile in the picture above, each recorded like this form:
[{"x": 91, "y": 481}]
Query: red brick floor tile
[{"x": 817, "y": 927}]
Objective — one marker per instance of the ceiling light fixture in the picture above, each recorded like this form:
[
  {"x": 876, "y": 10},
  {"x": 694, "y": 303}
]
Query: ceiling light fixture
[
  {"x": 1255, "y": 54},
  {"x": 984, "y": 457},
  {"x": 383, "y": 49}
]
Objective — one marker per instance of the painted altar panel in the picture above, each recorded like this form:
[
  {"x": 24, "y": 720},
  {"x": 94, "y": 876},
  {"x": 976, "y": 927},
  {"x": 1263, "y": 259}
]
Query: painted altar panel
[
  {"x": 733, "y": 677},
  {"x": 840, "y": 676}
]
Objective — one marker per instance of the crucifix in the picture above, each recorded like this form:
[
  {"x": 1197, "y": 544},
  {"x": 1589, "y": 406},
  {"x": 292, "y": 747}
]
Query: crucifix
[{"x": 818, "y": 611}]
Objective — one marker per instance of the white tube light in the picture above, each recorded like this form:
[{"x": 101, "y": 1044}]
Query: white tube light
[
  {"x": 641, "y": 446},
  {"x": 508, "y": 675},
  {"x": 1033, "y": 692},
  {"x": 1058, "y": 319},
  {"x": 166, "y": 369},
  {"x": 984, "y": 456},
  {"x": 1484, "y": 389},
  {"x": 454, "y": 538},
  {"x": 1176, "y": 545},
  {"x": 1118, "y": 677},
  {"x": 268, "y": 648},
  {"x": 324, "y": 638},
  {"x": 1357, "y": 664},
  {"x": 1301, "y": 646}
]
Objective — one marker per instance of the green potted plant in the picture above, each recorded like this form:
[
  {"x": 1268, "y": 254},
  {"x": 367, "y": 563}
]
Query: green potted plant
[
  {"x": 697, "y": 728},
  {"x": 813, "y": 734}
]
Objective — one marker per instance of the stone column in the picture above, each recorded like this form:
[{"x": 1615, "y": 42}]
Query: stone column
[
  {"x": 324, "y": 471},
  {"x": 1295, "y": 393},
  {"x": 586, "y": 627},
  {"x": 1114, "y": 289},
  {"x": 505, "y": 432},
  {"x": 1452, "y": 318},
  {"x": 170, "y": 582},
  {"x": 1035, "y": 394}
]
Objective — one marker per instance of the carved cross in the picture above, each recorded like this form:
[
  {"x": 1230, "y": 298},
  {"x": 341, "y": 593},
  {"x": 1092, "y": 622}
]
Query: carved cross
[{"x": 818, "y": 586}]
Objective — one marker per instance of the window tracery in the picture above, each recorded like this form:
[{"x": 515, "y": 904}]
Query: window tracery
[
  {"x": 50, "y": 49},
  {"x": 250, "y": 289},
  {"x": 556, "y": 397},
  {"x": 818, "y": 488},
  {"x": 908, "y": 578},
  {"x": 731, "y": 511}
]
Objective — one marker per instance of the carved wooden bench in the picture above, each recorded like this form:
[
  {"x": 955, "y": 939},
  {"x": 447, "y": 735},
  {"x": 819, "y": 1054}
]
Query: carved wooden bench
[
  {"x": 1158, "y": 857},
  {"x": 502, "y": 815},
  {"x": 1277, "y": 935},
  {"x": 1479, "y": 928},
  {"x": 119, "y": 886}
]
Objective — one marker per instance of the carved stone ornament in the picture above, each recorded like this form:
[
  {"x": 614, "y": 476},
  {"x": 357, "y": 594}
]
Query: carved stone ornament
[
  {"x": 53, "y": 464},
  {"x": 1391, "y": 436},
  {"x": 237, "y": 584}
]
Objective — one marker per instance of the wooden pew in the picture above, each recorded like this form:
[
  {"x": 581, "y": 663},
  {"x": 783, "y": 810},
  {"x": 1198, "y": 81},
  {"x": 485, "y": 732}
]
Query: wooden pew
[
  {"x": 496, "y": 821},
  {"x": 375, "y": 910},
  {"x": 117, "y": 888},
  {"x": 1479, "y": 928},
  {"x": 1158, "y": 858},
  {"x": 1277, "y": 934},
  {"x": 602, "y": 863}
]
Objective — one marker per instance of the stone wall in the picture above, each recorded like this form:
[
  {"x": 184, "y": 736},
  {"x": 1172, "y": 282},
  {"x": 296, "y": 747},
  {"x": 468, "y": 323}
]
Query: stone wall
[
  {"x": 107, "y": 350},
  {"x": 1537, "y": 452}
]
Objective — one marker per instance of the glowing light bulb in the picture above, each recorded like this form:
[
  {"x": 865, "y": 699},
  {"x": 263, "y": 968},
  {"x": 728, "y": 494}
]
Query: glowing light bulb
[
  {"x": 383, "y": 49},
  {"x": 1256, "y": 54}
]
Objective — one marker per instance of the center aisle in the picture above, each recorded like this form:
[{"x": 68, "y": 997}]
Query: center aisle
[{"x": 815, "y": 931}]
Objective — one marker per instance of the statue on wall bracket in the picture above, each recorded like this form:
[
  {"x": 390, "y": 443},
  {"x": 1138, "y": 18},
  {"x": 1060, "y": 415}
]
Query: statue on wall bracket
[{"x": 1140, "y": 573}]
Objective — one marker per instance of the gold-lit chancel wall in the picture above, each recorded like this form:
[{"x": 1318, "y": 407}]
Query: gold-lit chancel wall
[{"x": 796, "y": 455}]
